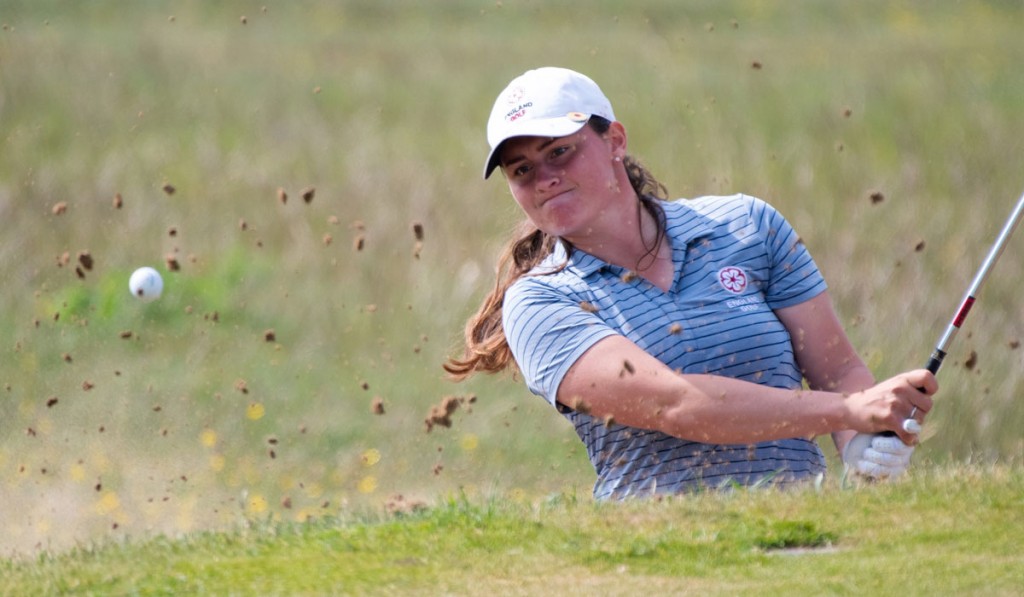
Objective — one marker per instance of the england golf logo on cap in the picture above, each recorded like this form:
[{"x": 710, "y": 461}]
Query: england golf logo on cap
[
  {"x": 733, "y": 279},
  {"x": 515, "y": 95}
]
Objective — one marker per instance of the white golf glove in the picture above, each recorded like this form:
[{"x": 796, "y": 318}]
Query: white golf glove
[{"x": 877, "y": 456}]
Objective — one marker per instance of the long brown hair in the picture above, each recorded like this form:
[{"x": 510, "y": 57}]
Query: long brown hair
[{"x": 486, "y": 347}]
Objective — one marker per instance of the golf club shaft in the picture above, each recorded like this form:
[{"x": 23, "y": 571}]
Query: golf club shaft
[
  {"x": 968, "y": 301},
  {"x": 935, "y": 362}
]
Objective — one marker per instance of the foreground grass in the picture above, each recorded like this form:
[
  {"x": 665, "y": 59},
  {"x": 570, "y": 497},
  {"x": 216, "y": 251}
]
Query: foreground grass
[{"x": 944, "y": 531}]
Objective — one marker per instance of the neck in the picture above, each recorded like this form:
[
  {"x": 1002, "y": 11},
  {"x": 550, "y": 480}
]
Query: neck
[{"x": 626, "y": 239}]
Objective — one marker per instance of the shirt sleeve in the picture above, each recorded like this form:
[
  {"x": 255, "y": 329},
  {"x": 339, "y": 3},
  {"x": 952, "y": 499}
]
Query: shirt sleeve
[
  {"x": 547, "y": 331},
  {"x": 794, "y": 277}
]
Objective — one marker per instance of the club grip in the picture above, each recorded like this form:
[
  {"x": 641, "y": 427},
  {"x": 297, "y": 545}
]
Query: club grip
[{"x": 935, "y": 361}]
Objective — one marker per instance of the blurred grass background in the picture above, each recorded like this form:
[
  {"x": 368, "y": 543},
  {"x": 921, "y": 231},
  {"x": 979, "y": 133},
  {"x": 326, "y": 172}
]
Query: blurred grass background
[{"x": 196, "y": 420}]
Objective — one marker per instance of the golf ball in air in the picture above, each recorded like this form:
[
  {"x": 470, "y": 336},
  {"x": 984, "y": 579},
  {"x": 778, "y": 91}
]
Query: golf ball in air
[{"x": 146, "y": 284}]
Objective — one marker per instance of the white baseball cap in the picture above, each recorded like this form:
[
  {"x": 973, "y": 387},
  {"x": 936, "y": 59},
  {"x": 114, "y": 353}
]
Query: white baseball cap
[{"x": 544, "y": 102}]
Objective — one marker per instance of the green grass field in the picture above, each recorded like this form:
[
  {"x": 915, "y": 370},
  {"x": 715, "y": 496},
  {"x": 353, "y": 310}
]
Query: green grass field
[
  {"x": 245, "y": 393},
  {"x": 951, "y": 533}
]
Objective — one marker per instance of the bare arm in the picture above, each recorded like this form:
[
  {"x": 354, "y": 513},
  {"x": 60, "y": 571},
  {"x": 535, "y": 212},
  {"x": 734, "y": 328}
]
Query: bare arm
[
  {"x": 824, "y": 353},
  {"x": 616, "y": 378}
]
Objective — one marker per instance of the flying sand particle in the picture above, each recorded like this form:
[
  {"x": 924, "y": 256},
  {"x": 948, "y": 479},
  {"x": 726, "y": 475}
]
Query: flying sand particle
[
  {"x": 972, "y": 361},
  {"x": 85, "y": 259},
  {"x": 580, "y": 406},
  {"x": 441, "y": 414},
  {"x": 399, "y": 505}
]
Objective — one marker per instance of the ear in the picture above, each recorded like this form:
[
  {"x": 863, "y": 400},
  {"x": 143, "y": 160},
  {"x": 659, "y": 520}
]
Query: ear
[{"x": 616, "y": 139}]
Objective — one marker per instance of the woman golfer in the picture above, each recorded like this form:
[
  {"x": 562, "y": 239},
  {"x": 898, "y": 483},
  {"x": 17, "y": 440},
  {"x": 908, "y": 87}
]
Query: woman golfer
[{"x": 673, "y": 335}]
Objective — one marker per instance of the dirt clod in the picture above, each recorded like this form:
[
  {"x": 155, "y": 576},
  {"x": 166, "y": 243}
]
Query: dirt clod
[
  {"x": 578, "y": 405},
  {"x": 308, "y": 193},
  {"x": 972, "y": 361},
  {"x": 399, "y": 505},
  {"x": 85, "y": 259},
  {"x": 60, "y": 208},
  {"x": 441, "y": 413},
  {"x": 377, "y": 405}
]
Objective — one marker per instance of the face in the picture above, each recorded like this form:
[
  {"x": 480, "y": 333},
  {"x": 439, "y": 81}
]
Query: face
[{"x": 565, "y": 185}]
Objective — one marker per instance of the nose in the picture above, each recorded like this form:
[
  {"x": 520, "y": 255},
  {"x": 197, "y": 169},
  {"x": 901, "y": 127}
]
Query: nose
[{"x": 548, "y": 177}]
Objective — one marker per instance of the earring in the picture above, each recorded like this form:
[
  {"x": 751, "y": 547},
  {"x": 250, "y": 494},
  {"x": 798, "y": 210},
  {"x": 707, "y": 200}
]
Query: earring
[{"x": 618, "y": 159}]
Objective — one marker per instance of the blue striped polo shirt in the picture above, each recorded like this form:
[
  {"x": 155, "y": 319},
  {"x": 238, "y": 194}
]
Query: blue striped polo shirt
[{"x": 740, "y": 260}]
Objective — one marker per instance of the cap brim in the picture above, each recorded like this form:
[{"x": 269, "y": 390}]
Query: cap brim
[{"x": 548, "y": 127}]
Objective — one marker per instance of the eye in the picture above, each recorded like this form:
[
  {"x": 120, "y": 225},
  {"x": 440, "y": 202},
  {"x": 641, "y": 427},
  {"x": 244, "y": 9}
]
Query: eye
[
  {"x": 561, "y": 151},
  {"x": 520, "y": 171}
]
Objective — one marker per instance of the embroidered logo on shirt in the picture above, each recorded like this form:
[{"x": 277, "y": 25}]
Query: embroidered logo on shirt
[{"x": 733, "y": 279}]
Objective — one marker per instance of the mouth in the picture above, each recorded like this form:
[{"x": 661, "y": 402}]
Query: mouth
[{"x": 555, "y": 196}]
